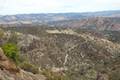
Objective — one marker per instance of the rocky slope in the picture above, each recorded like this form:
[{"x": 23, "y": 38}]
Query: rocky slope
[
  {"x": 9, "y": 71},
  {"x": 79, "y": 55}
]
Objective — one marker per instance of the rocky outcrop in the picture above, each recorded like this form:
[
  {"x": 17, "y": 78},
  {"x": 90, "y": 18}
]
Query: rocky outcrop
[
  {"x": 9, "y": 71},
  {"x": 7, "y": 64},
  {"x": 22, "y": 75}
]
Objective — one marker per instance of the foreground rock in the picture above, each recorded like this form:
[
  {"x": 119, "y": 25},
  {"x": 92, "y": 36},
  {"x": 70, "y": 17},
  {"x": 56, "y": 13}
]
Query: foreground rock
[
  {"x": 5, "y": 63},
  {"x": 23, "y": 75},
  {"x": 9, "y": 71}
]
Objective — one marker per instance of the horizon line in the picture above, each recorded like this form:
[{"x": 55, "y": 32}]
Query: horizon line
[{"x": 59, "y": 12}]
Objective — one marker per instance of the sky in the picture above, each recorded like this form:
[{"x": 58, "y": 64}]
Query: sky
[{"x": 9, "y": 7}]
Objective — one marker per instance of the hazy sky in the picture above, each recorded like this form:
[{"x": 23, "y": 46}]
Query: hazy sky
[{"x": 56, "y": 6}]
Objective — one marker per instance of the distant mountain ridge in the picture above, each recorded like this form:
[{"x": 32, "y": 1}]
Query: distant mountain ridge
[
  {"x": 58, "y": 16},
  {"x": 66, "y": 19},
  {"x": 95, "y": 23}
]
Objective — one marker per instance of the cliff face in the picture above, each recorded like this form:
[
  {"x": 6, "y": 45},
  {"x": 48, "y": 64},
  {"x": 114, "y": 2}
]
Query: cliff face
[{"x": 9, "y": 71}]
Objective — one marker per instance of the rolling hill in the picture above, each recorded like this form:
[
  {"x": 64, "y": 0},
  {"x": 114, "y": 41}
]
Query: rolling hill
[
  {"x": 52, "y": 19},
  {"x": 74, "y": 53}
]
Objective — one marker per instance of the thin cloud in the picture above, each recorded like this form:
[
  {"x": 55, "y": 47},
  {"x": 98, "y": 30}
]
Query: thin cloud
[{"x": 53, "y": 6}]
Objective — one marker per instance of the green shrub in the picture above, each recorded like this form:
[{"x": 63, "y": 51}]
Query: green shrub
[
  {"x": 11, "y": 51},
  {"x": 29, "y": 67}
]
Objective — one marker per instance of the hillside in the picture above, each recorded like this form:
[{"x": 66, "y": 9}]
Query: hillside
[
  {"x": 9, "y": 71},
  {"x": 53, "y": 18},
  {"x": 94, "y": 23},
  {"x": 76, "y": 54}
]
